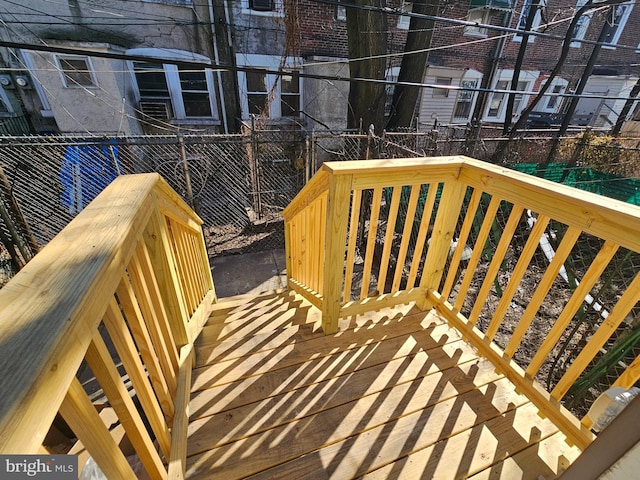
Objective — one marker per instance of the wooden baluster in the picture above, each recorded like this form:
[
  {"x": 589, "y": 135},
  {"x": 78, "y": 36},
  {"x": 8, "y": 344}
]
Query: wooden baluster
[
  {"x": 422, "y": 234},
  {"x": 371, "y": 242},
  {"x": 162, "y": 255},
  {"x": 183, "y": 262},
  {"x": 102, "y": 366},
  {"x": 518, "y": 273},
  {"x": 321, "y": 242},
  {"x": 496, "y": 262},
  {"x": 337, "y": 219},
  {"x": 564, "y": 249},
  {"x": 406, "y": 236},
  {"x": 388, "y": 237},
  {"x": 313, "y": 244},
  {"x": 353, "y": 237},
  {"x": 478, "y": 249},
  {"x": 627, "y": 301},
  {"x": 128, "y": 354},
  {"x": 462, "y": 241},
  {"x": 146, "y": 287},
  {"x": 596, "y": 268},
  {"x": 78, "y": 411},
  {"x": 179, "y": 432},
  {"x": 288, "y": 247}
]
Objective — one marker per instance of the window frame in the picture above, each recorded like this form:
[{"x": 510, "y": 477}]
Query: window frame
[
  {"x": 469, "y": 76},
  {"x": 582, "y": 26},
  {"x": 620, "y": 27},
  {"x": 528, "y": 77},
  {"x": 174, "y": 86},
  {"x": 440, "y": 93},
  {"x": 277, "y": 11},
  {"x": 537, "y": 20},
  {"x": 404, "y": 20},
  {"x": 476, "y": 31},
  {"x": 547, "y": 99},
  {"x": 273, "y": 83},
  {"x": 67, "y": 81}
]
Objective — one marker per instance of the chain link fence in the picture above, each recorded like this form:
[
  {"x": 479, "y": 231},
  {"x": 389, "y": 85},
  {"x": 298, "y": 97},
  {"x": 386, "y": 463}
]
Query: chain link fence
[{"x": 239, "y": 183}]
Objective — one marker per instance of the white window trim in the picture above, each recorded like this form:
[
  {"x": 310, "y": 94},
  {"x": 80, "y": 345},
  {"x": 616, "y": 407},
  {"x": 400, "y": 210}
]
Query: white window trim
[
  {"x": 267, "y": 62},
  {"x": 4, "y": 98},
  {"x": 528, "y": 76},
  {"x": 472, "y": 75},
  {"x": 623, "y": 22},
  {"x": 404, "y": 20},
  {"x": 278, "y": 11},
  {"x": 44, "y": 101},
  {"x": 475, "y": 31},
  {"x": 537, "y": 20},
  {"x": 173, "y": 79},
  {"x": 87, "y": 59},
  {"x": 547, "y": 98},
  {"x": 582, "y": 31}
]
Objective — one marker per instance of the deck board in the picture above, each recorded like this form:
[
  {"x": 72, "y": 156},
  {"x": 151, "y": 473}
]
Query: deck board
[{"x": 394, "y": 394}]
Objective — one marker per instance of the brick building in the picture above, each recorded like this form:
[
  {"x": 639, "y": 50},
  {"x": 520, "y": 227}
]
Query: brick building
[{"x": 474, "y": 49}]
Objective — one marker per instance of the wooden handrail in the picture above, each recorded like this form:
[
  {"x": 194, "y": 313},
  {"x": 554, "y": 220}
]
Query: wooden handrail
[
  {"x": 136, "y": 254},
  {"x": 431, "y": 208}
]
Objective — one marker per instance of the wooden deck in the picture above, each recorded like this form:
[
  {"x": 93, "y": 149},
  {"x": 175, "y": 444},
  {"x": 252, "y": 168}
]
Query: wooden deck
[{"x": 394, "y": 394}]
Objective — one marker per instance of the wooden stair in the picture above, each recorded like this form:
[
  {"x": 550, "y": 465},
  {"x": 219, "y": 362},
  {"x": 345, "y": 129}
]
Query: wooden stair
[{"x": 394, "y": 394}]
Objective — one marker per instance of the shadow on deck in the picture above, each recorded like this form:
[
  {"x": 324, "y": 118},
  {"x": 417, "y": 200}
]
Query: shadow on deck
[{"x": 394, "y": 394}]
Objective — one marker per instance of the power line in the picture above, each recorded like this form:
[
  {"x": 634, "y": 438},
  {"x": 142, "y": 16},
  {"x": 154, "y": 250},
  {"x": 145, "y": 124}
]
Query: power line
[
  {"x": 454, "y": 21},
  {"x": 283, "y": 71}
]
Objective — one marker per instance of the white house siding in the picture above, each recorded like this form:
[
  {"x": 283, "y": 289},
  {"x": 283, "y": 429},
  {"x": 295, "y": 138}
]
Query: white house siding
[
  {"x": 434, "y": 107},
  {"x": 604, "y": 112},
  {"x": 106, "y": 107}
]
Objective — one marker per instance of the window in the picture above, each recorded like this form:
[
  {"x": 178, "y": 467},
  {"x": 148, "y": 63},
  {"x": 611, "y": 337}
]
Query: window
[
  {"x": 263, "y": 7},
  {"x": 441, "y": 92},
  {"x": 405, "y": 20},
  {"x": 76, "y": 71},
  {"x": 341, "y": 12},
  {"x": 168, "y": 92},
  {"x": 498, "y": 100},
  {"x": 552, "y": 103},
  {"x": 390, "y": 88},
  {"x": 581, "y": 27},
  {"x": 617, "y": 20},
  {"x": 478, "y": 15},
  {"x": 269, "y": 94},
  {"x": 522, "y": 21},
  {"x": 184, "y": 3},
  {"x": 466, "y": 98}
]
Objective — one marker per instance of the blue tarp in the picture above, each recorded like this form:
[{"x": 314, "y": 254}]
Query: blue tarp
[{"x": 86, "y": 171}]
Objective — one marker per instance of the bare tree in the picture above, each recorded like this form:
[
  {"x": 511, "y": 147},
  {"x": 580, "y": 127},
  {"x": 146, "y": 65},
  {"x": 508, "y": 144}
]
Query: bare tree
[{"x": 414, "y": 62}]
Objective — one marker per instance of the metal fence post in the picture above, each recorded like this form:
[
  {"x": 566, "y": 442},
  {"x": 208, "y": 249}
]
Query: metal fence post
[{"x": 187, "y": 176}]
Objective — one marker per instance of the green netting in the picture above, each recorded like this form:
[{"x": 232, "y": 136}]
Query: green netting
[{"x": 587, "y": 179}]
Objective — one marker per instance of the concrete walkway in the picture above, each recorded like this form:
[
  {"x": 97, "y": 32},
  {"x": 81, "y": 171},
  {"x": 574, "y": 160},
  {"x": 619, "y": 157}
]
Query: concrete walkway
[{"x": 249, "y": 273}]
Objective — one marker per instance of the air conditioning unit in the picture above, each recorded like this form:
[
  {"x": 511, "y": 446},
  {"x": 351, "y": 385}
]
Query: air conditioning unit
[
  {"x": 158, "y": 109},
  {"x": 261, "y": 5}
]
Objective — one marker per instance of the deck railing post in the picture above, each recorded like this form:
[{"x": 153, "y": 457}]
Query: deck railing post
[
  {"x": 335, "y": 245},
  {"x": 444, "y": 227}
]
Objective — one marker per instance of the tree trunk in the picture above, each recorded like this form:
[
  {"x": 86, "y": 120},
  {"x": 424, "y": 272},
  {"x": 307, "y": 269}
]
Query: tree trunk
[
  {"x": 413, "y": 65},
  {"x": 366, "y": 31}
]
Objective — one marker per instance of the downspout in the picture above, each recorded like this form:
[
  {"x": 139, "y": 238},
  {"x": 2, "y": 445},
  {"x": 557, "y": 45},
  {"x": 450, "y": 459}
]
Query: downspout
[{"x": 216, "y": 57}]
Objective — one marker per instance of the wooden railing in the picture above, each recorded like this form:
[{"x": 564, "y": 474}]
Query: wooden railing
[
  {"x": 465, "y": 237},
  {"x": 129, "y": 274}
]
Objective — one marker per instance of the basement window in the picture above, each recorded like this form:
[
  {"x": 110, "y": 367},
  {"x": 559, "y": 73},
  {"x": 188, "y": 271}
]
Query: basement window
[{"x": 77, "y": 71}]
